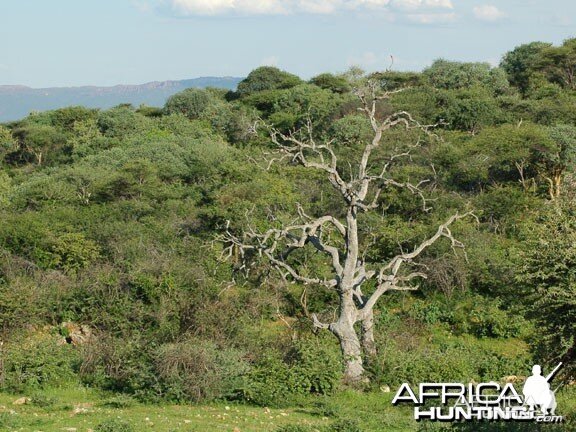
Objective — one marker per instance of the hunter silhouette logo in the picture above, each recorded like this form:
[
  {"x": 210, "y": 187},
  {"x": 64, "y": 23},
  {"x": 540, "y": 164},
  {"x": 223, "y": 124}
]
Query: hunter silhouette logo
[
  {"x": 484, "y": 401},
  {"x": 537, "y": 393}
]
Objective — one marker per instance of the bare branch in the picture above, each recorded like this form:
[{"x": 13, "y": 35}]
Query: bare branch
[
  {"x": 301, "y": 148},
  {"x": 277, "y": 244},
  {"x": 318, "y": 324},
  {"x": 388, "y": 277}
]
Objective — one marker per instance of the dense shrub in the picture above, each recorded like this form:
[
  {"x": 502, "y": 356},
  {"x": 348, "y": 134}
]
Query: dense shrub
[
  {"x": 313, "y": 366},
  {"x": 191, "y": 102},
  {"x": 37, "y": 361},
  {"x": 199, "y": 370},
  {"x": 416, "y": 359},
  {"x": 266, "y": 78},
  {"x": 122, "y": 365}
]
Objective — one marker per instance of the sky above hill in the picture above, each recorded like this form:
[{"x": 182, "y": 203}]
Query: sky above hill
[{"x": 107, "y": 42}]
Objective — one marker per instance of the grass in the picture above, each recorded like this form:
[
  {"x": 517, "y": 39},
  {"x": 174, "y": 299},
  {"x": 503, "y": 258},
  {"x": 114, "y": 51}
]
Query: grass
[{"x": 78, "y": 409}]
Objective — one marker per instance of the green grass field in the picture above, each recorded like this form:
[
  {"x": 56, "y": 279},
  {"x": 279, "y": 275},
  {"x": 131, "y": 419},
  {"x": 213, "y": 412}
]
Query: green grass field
[{"x": 82, "y": 410}]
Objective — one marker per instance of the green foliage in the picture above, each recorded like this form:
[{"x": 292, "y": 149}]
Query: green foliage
[
  {"x": 558, "y": 63},
  {"x": 468, "y": 109},
  {"x": 72, "y": 252},
  {"x": 48, "y": 248},
  {"x": 42, "y": 400},
  {"x": 109, "y": 218},
  {"x": 199, "y": 370},
  {"x": 564, "y": 156},
  {"x": 121, "y": 122},
  {"x": 120, "y": 401},
  {"x": 499, "y": 155},
  {"x": 266, "y": 78},
  {"x": 393, "y": 80},
  {"x": 351, "y": 130},
  {"x": 5, "y": 189},
  {"x": 9, "y": 421},
  {"x": 67, "y": 118},
  {"x": 37, "y": 361},
  {"x": 313, "y": 366},
  {"x": 344, "y": 425},
  {"x": 39, "y": 144},
  {"x": 7, "y": 142},
  {"x": 334, "y": 83},
  {"x": 519, "y": 63},
  {"x": 121, "y": 365},
  {"x": 295, "y": 428},
  {"x": 548, "y": 280},
  {"x": 449, "y": 75},
  {"x": 191, "y": 102},
  {"x": 407, "y": 358},
  {"x": 293, "y": 107},
  {"x": 469, "y": 314}
]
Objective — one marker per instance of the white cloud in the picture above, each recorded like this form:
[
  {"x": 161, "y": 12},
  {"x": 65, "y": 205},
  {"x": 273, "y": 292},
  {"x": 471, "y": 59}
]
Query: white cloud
[
  {"x": 317, "y": 6},
  {"x": 217, "y": 7},
  {"x": 430, "y": 18},
  {"x": 446, "y": 4},
  {"x": 488, "y": 13},
  {"x": 412, "y": 5},
  {"x": 280, "y": 7}
]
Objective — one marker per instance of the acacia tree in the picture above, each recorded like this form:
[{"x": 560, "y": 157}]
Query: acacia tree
[{"x": 339, "y": 240}]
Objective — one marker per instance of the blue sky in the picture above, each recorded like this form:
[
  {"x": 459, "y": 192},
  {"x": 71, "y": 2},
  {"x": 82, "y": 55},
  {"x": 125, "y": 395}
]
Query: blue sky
[{"x": 106, "y": 42}]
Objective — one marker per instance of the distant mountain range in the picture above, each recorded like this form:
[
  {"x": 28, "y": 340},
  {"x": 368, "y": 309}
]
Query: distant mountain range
[{"x": 17, "y": 102}]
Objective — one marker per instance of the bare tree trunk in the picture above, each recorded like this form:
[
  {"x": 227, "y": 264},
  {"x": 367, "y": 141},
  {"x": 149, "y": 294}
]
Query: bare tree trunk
[
  {"x": 349, "y": 341},
  {"x": 351, "y": 351},
  {"x": 368, "y": 343}
]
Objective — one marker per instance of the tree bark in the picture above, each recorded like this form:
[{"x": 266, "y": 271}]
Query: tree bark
[
  {"x": 350, "y": 345},
  {"x": 368, "y": 343},
  {"x": 351, "y": 351}
]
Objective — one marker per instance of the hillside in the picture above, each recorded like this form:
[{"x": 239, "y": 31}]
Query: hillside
[
  {"x": 303, "y": 247},
  {"x": 18, "y": 101}
]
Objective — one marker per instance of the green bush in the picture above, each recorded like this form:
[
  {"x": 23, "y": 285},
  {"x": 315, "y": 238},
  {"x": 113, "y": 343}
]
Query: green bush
[
  {"x": 482, "y": 317},
  {"x": 445, "y": 358},
  {"x": 199, "y": 370},
  {"x": 38, "y": 361},
  {"x": 121, "y": 365},
  {"x": 191, "y": 102},
  {"x": 469, "y": 314},
  {"x": 313, "y": 366}
]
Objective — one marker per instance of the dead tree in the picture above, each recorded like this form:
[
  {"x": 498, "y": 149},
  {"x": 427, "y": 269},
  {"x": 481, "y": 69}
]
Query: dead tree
[{"x": 338, "y": 239}]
